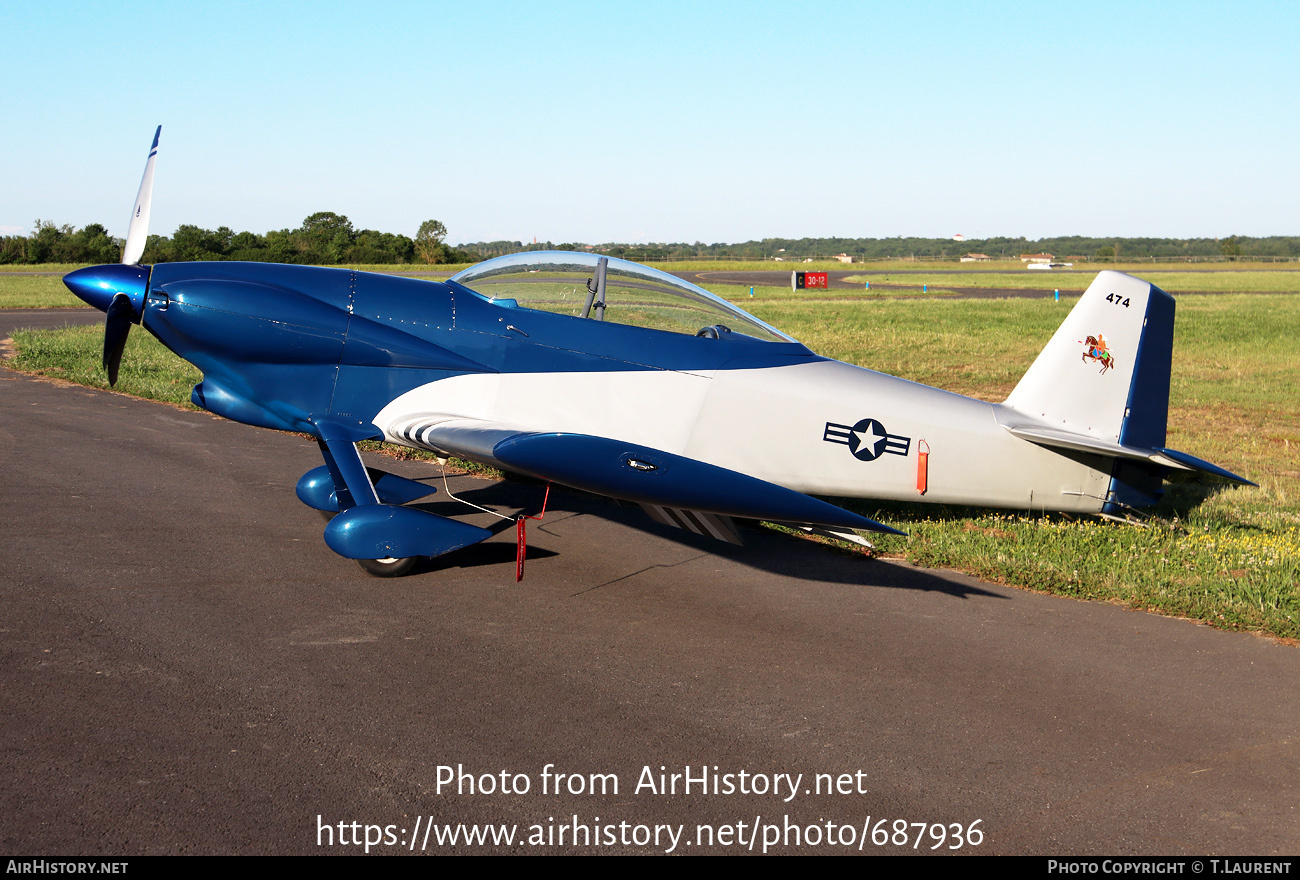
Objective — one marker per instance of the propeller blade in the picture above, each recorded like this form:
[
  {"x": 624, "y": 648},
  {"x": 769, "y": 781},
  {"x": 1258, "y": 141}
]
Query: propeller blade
[
  {"x": 116, "y": 329},
  {"x": 138, "y": 231}
]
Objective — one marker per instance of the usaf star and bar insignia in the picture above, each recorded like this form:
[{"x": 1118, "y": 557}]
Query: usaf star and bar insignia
[{"x": 867, "y": 440}]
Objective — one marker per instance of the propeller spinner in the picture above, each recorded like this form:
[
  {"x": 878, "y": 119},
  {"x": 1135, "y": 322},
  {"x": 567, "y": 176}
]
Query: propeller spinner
[{"x": 119, "y": 289}]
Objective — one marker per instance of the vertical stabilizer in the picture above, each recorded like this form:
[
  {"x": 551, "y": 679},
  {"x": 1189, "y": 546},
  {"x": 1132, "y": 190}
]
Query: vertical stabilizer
[
  {"x": 1105, "y": 376},
  {"x": 1106, "y": 371}
]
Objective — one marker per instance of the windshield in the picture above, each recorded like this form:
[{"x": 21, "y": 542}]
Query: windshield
[{"x": 609, "y": 289}]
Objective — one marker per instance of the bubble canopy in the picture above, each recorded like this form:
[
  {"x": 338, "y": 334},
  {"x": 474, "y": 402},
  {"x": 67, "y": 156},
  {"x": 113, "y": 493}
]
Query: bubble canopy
[{"x": 600, "y": 288}]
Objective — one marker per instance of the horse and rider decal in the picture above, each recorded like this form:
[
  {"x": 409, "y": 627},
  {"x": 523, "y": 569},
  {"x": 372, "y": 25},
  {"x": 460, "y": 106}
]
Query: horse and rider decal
[{"x": 1097, "y": 352}]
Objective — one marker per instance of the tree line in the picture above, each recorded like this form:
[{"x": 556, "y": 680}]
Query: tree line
[
  {"x": 326, "y": 238},
  {"x": 323, "y": 239}
]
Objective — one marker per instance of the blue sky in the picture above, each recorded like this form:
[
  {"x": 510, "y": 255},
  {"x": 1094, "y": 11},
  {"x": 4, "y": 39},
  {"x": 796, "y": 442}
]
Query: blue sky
[{"x": 658, "y": 121}]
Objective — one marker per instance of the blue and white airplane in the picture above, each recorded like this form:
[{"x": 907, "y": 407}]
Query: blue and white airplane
[{"x": 622, "y": 380}]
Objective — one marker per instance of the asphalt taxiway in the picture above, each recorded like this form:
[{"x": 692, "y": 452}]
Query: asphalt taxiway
[{"x": 188, "y": 669}]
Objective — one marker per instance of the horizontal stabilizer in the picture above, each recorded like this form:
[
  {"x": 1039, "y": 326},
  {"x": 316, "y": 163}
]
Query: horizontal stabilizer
[
  {"x": 1062, "y": 439},
  {"x": 1197, "y": 464},
  {"x": 1168, "y": 458}
]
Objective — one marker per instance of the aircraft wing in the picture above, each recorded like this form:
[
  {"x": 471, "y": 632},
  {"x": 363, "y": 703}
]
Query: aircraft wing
[{"x": 630, "y": 471}]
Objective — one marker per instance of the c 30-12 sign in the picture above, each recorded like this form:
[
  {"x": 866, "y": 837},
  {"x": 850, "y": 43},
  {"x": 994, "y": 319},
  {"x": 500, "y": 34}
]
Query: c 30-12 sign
[{"x": 809, "y": 280}]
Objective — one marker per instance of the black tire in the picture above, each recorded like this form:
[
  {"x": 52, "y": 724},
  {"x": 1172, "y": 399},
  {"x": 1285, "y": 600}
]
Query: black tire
[{"x": 388, "y": 568}]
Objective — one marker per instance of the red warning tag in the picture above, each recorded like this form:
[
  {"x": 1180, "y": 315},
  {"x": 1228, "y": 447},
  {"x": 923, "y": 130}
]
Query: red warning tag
[
  {"x": 523, "y": 550},
  {"x": 522, "y": 536}
]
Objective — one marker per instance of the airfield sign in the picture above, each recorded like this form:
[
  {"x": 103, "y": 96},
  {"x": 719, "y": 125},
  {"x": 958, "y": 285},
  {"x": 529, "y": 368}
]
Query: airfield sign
[{"x": 809, "y": 280}]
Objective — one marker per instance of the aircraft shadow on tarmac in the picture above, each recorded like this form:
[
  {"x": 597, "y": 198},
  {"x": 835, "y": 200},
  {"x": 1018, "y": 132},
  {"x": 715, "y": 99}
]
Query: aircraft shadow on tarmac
[{"x": 780, "y": 554}]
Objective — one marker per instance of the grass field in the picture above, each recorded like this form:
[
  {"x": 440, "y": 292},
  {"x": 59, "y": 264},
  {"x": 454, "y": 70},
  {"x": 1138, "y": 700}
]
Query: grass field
[
  {"x": 35, "y": 292},
  {"x": 40, "y": 268},
  {"x": 1229, "y": 558}
]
